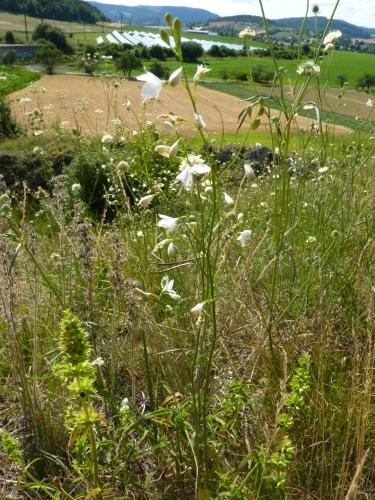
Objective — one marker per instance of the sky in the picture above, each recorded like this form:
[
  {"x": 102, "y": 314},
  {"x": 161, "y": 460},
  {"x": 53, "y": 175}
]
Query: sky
[{"x": 360, "y": 12}]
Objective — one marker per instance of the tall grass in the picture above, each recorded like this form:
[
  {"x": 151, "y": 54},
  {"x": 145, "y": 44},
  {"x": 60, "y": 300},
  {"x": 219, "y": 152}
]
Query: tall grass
[{"x": 174, "y": 327}]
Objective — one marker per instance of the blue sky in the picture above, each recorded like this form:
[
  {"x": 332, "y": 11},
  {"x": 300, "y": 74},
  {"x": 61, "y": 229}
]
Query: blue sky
[{"x": 360, "y": 12}]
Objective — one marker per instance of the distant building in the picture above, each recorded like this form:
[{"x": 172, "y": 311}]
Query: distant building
[{"x": 22, "y": 50}]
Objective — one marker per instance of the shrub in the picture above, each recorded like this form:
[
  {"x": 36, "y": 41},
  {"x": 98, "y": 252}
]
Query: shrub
[
  {"x": 240, "y": 76},
  {"x": 261, "y": 75},
  {"x": 9, "y": 128},
  {"x": 159, "y": 70},
  {"x": 128, "y": 62},
  {"x": 9, "y": 37},
  {"x": 341, "y": 79},
  {"x": 366, "y": 82},
  {"x": 49, "y": 56},
  {"x": 8, "y": 57},
  {"x": 157, "y": 52},
  {"x": 54, "y": 35},
  {"x": 191, "y": 51}
]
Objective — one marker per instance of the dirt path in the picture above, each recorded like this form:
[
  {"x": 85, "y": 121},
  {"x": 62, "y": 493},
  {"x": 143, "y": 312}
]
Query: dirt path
[{"x": 90, "y": 105}]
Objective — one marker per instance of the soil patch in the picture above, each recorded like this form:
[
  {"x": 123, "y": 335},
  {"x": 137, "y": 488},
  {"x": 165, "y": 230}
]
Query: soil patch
[{"x": 91, "y": 104}]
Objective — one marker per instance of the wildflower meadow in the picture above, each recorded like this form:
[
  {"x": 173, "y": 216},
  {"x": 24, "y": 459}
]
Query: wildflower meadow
[{"x": 176, "y": 324}]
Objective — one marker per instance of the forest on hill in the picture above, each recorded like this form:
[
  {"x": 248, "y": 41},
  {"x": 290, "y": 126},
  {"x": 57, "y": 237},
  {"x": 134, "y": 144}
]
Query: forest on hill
[{"x": 63, "y": 10}]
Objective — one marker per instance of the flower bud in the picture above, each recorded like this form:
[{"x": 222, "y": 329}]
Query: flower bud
[
  {"x": 164, "y": 35},
  {"x": 168, "y": 19}
]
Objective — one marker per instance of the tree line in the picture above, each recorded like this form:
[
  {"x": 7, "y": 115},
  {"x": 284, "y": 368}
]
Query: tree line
[{"x": 63, "y": 10}]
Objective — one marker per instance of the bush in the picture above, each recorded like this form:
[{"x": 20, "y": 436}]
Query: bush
[
  {"x": 157, "y": 52},
  {"x": 191, "y": 51},
  {"x": 341, "y": 79},
  {"x": 49, "y": 56},
  {"x": 261, "y": 75},
  {"x": 8, "y": 57},
  {"x": 53, "y": 35},
  {"x": 90, "y": 49},
  {"x": 128, "y": 62},
  {"x": 9, "y": 128},
  {"x": 159, "y": 70},
  {"x": 9, "y": 37},
  {"x": 240, "y": 76}
]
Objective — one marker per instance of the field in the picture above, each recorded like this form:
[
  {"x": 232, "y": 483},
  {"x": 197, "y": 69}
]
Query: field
[{"x": 186, "y": 313}]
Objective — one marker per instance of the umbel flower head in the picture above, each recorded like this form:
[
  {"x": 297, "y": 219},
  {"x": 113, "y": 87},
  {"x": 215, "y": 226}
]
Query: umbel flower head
[
  {"x": 332, "y": 37},
  {"x": 247, "y": 33},
  {"x": 308, "y": 68}
]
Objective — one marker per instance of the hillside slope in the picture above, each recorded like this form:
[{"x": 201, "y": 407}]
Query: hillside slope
[{"x": 151, "y": 14}]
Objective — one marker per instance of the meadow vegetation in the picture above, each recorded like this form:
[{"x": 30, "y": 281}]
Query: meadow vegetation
[{"x": 179, "y": 324}]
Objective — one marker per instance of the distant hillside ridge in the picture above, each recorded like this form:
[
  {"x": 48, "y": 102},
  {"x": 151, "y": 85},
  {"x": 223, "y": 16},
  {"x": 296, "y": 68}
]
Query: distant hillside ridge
[
  {"x": 61, "y": 10},
  {"x": 348, "y": 30},
  {"x": 152, "y": 15}
]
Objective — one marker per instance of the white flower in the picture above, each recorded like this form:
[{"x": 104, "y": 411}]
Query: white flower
[
  {"x": 152, "y": 87},
  {"x": 38, "y": 132},
  {"x": 167, "y": 287},
  {"x": 168, "y": 152},
  {"x": 161, "y": 244},
  {"x": 332, "y": 37},
  {"x": 25, "y": 100},
  {"x": 198, "y": 308},
  {"x": 171, "y": 250},
  {"x": 168, "y": 223},
  {"x": 76, "y": 188},
  {"x": 369, "y": 103},
  {"x": 200, "y": 122},
  {"x": 186, "y": 176},
  {"x": 244, "y": 236},
  {"x": 228, "y": 200},
  {"x": 146, "y": 200},
  {"x": 308, "y": 68},
  {"x": 169, "y": 127},
  {"x": 175, "y": 77},
  {"x": 127, "y": 105},
  {"x": 98, "y": 362},
  {"x": 99, "y": 111},
  {"x": 37, "y": 150},
  {"x": 124, "y": 405},
  {"x": 240, "y": 216},
  {"x": 247, "y": 33},
  {"x": 208, "y": 190},
  {"x": 201, "y": 70},
  {"x": 249, "y": 172},
  {"x": 107, "y": 138},
  {"x": 329, "y": 47}
]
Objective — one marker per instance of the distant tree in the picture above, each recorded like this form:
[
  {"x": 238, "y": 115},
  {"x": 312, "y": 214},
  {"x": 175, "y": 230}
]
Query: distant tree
[
  {"x": 191, "y": 51},
  {"x": 49, "y": 55},
  {"x": 305, "y": 49},
  {"x": 366, "y": 81},
  {"x": 9, "y": 57},
  {"x": 128, "y": 62},
  {"x": 157, "y": 52},
  {"x": 54, "y": 35},
  {"x": 341, "y": 79},
  {"x": 159, "y": 70},
  {"x": 215, "y": 51},
  {"x": 9, "y": 37}
]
